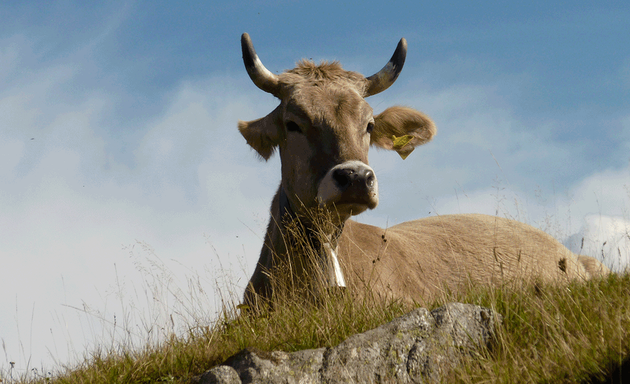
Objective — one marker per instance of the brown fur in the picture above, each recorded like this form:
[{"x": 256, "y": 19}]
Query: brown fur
[
  {"x": 419, "y": 260},
  {"x": 323, "y": 121},
  {"x": 308, "y": 73},
  {"x": 593, "y": 266}
]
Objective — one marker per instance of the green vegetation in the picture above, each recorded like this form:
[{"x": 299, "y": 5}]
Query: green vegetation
[
  {"x": 572, "y": 333},
  {"x": 575, "y": 332}
]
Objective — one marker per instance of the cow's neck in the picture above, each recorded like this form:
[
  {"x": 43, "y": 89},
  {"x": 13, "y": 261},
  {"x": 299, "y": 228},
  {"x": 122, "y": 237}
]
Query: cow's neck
[{"x": 325, "y": 244}]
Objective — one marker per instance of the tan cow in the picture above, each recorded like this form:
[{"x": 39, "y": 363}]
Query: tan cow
[{"x": 323, "y": 129}]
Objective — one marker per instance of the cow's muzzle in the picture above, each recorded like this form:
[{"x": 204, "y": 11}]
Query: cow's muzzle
[{"x": 350, "y": 186}]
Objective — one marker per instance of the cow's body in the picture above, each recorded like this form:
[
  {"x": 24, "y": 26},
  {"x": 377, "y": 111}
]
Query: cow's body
[
  {"x": 323, "y": 128},
  {"x": 417, "y": 260}
]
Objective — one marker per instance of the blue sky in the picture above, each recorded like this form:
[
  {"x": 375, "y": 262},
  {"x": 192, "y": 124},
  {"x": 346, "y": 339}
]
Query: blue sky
[{"x": 126, "y": 191}]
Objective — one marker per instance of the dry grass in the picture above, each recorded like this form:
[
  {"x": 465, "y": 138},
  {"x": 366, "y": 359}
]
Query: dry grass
[
  {"x": 290, "y": 327},
  {"x": 577, "y": 332}
]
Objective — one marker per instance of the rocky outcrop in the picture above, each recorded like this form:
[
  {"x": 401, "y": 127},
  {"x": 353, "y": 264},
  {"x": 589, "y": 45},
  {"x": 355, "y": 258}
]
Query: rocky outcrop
[{"x": 419, "y": 347}]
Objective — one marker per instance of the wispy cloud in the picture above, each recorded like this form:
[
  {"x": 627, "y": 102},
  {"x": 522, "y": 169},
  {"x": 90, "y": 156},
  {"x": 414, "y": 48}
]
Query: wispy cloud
[{"x": 75, "y": 198}]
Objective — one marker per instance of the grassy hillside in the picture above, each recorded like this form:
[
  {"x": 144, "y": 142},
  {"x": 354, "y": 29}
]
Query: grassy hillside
[{"x": 572, "y": 333}]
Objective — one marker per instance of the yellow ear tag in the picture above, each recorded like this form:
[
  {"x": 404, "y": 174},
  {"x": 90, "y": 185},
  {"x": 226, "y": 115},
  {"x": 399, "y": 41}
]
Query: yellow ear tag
[{"x": 400, "y": 143}]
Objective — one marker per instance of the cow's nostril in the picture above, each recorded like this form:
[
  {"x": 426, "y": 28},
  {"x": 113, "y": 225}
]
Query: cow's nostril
[
  {"x": 343, "y": 177},
  {"x": 347, "y": 177},
  {"x": 369, "y": 179}
]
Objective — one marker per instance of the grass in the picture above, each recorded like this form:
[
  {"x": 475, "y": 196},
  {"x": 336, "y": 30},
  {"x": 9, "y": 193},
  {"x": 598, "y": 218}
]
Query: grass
[
  {"x": 292, "y": 327},
  {"x": 575, "y": 333}
]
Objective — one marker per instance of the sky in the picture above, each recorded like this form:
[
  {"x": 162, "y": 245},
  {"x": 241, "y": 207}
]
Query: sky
[{"x": 131, "y": 207}]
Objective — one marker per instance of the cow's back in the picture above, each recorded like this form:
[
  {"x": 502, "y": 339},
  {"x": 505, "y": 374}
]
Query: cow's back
[{"x": 417, "y": 260}]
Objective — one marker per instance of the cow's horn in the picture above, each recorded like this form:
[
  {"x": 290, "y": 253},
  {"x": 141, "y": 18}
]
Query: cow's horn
[
  {"x": 382, "y": 80},
  {"x": 260, "y": 75}
]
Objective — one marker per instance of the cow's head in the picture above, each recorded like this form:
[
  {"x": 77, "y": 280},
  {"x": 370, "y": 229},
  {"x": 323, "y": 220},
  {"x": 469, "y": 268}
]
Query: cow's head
[{"x": 323, "y": 129}]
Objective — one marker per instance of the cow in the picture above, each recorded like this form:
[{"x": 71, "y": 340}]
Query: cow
[{"x": 322, "y": 130}]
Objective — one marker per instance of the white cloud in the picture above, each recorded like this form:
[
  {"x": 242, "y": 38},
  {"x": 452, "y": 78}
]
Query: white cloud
[
  {"x": 591, "y": 218},
  {"x": 71, "y": 206},
  {"x": 600, "y": 205},
  {"x": 605, "y": 238},
  {"x": 605, "y": 192},
  {"x": 11, "y": 151}
]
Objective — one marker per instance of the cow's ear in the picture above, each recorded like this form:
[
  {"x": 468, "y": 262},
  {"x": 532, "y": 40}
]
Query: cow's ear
[
  {"x": 264, "y": 134},
  {"x": 401, "y": 129}
]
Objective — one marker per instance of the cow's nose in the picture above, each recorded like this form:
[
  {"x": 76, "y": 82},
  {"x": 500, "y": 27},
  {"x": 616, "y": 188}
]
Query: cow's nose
[
  {"x": 352, "y": 186},
  {"x": 356, "y": 176}
]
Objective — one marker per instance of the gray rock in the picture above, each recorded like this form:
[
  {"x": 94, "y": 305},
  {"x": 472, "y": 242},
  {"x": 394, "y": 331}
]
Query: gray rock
[
  {"x": 256, "y": 366},
  {"x": 419, "y": 347},
  {"x": 222, "y": 374}
]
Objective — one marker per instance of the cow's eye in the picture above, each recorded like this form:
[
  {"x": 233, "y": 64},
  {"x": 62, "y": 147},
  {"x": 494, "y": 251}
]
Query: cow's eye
[
  {"x": 370, "y": 127},
  {"x": 292, "y": 127}
]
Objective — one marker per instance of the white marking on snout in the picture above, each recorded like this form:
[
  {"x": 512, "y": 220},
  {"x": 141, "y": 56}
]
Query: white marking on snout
[{"x": 328, "y": 190}]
